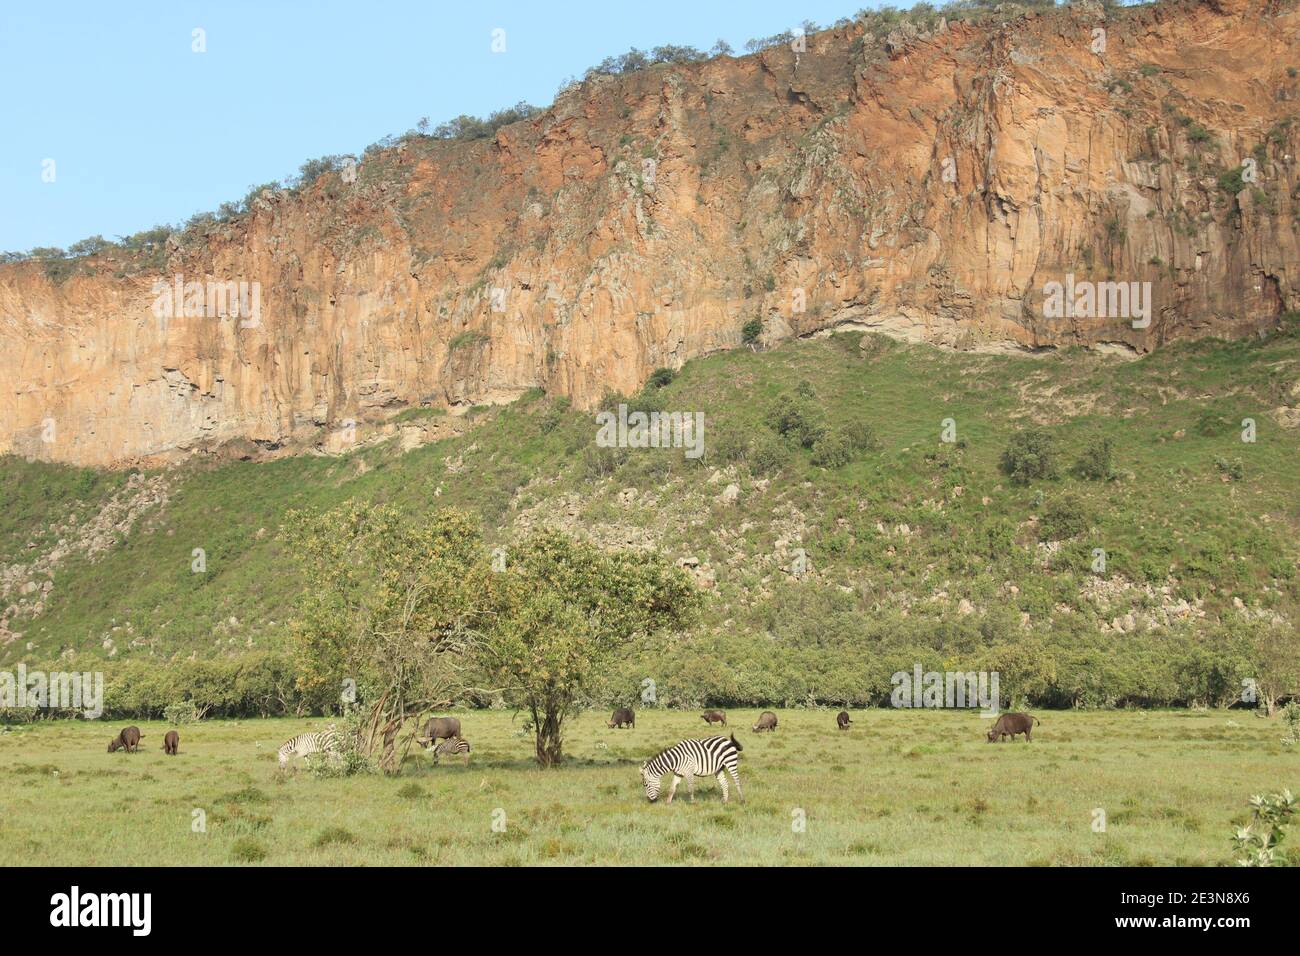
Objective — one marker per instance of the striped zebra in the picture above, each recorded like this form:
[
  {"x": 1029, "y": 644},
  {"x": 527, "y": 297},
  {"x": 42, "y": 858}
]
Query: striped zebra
[
  {"x": 715, "y": 756},
  {"x": 447, "y": 748},
  {"x": 306, "y": 744}
]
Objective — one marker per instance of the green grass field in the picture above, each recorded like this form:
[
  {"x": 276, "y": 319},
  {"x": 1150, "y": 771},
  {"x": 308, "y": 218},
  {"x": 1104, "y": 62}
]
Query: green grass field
[{"x": 901, "y": 788}]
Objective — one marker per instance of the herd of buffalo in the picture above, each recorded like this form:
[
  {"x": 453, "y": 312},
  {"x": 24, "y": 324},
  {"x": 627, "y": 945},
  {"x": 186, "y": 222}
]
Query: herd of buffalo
[
  {"x": 1007, "y": 725},
  {"x": 447, "y": 730},
  {"x": 129, "y": 740}
]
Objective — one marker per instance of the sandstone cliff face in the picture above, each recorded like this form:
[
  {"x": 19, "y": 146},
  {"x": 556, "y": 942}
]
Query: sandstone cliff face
[{"x": 929, "y": 187}]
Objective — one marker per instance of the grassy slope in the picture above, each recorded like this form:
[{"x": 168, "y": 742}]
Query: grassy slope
[
  {"x": 1170, "y": 415},
  {"x": 898, "y": 788}
]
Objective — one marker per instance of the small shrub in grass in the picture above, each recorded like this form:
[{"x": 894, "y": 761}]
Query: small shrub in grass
[
  {"x": 1231, "y": 467},
  {"x": 411, "y": 791},
  {"x": 554, "y": 416},
  {"x": 247, "y": 795},
  {"x": 797, "y": 419},
  {"x": 1259, "y": 842},
  {"x": 767, "y": 455},
  {"x": 247, "y": 850},
  {"x": 353, "y": 762},
  {"x": 728, "y": 445},
  {"x": 600, "y": 462},
  {"x": 1031, "y": 455},
  {"x": 1097, "y": 463},
  {"x": 1062, "y": 518},
  {"x": 332, "y": 836},
  {"x": 751, "y": 330},
  {"x": 832, "y": 450},
  {"x": 860, "y": 436},
  {"x": 1290, "y": 715},
  {"x": 1211, "y": 424},
  {"x": 349, "y": 760}
]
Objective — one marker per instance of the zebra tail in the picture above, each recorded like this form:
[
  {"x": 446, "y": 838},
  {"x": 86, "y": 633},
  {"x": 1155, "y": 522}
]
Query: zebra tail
[{"x": 736, "y": 743}]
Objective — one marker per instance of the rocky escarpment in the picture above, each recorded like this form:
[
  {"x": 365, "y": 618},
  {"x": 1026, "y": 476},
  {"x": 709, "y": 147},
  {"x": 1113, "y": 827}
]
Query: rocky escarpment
[{"x": 930, "y": 184}]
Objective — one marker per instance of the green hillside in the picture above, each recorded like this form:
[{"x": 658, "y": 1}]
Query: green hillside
[{"x": 917, "y": 549}]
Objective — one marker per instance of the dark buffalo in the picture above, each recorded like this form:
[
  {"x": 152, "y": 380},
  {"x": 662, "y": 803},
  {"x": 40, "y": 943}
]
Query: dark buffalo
[
  {"x": 766, "y": 721},
  {"x": 712, "y": 717},
  {"x": 128, "y": 740},
  {"x": 171, "y": 743},
  {"x": 623, "y": 717},
  {"x": 842, "y": 720},
  {"x": 1008, "y": 725},
  {"x": 438, "y": 728}
]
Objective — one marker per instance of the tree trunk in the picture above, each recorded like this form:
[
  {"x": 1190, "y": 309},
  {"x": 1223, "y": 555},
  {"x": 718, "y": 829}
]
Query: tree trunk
[
  {"x": 387, "y": 761},
  {"x": 549, "y": 744}
]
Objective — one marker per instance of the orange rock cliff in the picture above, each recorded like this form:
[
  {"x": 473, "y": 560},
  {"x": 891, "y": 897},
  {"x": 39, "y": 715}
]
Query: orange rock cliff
[{"x": 931, "y": 186}]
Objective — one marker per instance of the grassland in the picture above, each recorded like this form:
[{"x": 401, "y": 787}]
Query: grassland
[{"x": 902, "y": 788}]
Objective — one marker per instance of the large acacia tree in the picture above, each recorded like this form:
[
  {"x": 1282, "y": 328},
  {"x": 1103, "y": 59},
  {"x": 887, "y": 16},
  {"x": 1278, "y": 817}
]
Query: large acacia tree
[
  {"x": 567, "y": 608},
  {"x": 397, "y": 604}
]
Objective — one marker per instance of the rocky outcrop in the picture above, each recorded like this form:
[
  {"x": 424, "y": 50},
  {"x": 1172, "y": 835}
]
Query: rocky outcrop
[{"x": 930, "y": 184}]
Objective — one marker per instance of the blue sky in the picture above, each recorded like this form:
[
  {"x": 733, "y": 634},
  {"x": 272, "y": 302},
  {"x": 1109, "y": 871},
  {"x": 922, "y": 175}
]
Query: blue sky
[{"x": 142, "y": 130}]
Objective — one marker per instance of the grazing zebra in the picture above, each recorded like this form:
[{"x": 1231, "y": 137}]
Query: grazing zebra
[
  {"x": 715, "y": 756},
  {"x": 306, "y": 744},
  {"x": 447, "y": 748}
]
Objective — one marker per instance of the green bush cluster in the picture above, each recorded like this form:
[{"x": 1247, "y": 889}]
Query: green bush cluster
[
  {"x": 846, "y": 657},
  {"x": 258, "y": 684}
]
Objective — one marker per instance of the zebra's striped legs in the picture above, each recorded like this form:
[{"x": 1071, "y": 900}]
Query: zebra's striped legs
[
  {"x": 672, "y": 790},
  {"x": 690, "y": 785},
  {"x": 722, "y": 782},
  {"x": 736, "y": 777}
]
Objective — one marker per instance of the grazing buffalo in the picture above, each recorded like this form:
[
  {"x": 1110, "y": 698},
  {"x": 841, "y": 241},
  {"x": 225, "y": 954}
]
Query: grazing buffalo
[
  {"x": 842, "y": 720},
  {"x": 1008, "y": 725},
  {"x": 438, "y": 728},
  {"x": 623, "y": 717},
  {"x": 712, "y": 717},
  {"x": 171, "y": 743},
  {"x": 128, "y": 740},
  {"x": 766, "y": 721}
]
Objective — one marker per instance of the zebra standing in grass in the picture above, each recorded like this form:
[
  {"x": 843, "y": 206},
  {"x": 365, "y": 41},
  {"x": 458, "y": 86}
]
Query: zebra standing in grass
[
  {"x": 305, "y": 745},
  {"x": 716, "y": 756},
  {"x": 457, "y": 745}
]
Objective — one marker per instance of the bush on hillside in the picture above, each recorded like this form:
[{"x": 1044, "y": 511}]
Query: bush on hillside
[
  {"x": 1031, "y": 455},
  {"x": 661, "y": 377},
  {"x": 1097, "y": 463},
  {"x": 832, "y": 450},
  {"x": 796, "y": 418},
  {"x": 1062, "y": 518}
]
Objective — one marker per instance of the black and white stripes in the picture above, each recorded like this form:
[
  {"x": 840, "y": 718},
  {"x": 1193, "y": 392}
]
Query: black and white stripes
[
  {"x": 306, "y": 744},
  {"x": 456, "y": 745},
  {"x": 713, "y": 756}
]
